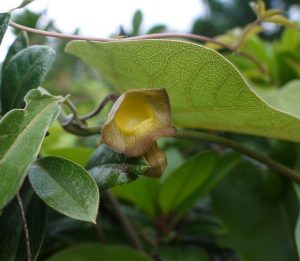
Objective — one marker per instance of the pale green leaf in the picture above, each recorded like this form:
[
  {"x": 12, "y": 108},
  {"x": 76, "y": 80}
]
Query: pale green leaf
[
  {"x": 205, "y": 89},
  {"x": 66, "y": 187},
  {"x": 21, "y": 134},
  {"x": 26, "y": 71},
  {"x": 97, "y": 252}
]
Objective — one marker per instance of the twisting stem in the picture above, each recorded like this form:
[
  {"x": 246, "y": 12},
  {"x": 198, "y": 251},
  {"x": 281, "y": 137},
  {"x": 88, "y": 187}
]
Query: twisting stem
[
  {"x": 110, "y": 97},
  {"x": 272, "y": 164},
  {"x": 125, "y": 222},
  {"x": 196, "y": 37},
  {"x": 26, "y": 232}
]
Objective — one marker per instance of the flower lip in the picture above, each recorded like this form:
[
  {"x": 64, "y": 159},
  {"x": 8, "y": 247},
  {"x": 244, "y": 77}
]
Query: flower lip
[{"x": 137, "y": 119}]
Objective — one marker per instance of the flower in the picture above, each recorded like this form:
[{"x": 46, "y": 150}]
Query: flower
[{"x": 137, "y": 119}]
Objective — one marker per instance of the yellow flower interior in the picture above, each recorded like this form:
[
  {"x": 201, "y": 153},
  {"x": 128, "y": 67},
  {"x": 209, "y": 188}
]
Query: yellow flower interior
[{"x": 133, "y": 113}]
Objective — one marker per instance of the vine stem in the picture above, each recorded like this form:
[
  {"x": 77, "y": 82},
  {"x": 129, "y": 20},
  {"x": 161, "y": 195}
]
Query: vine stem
[
  {"x": 26, "y": 231},
  {"x": 125, "y": 222},
  {"x": 272, "y": 164},
  {"x": 195, "y": 37}
]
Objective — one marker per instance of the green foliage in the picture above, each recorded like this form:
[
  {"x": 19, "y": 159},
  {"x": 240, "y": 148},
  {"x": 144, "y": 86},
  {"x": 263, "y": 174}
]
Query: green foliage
[
  {"x": 260, "y": 211},
  {"x": 12, "y": 240},
  {"x": 110, "y": 168},
  {"x": 205, "y": 90},
  {"x": 66, "y": 187},
  {"x": 92, "y": 252},
  {"x": 26, "y": 71},
  {"x": 137, "y": 21},
  {"x": 22, "y": 132},
  {"x": 4, "y": 20}
]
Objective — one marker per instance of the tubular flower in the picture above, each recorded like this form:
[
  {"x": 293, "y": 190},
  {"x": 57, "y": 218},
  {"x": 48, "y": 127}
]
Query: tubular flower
[{"x": 137, "y": 119}]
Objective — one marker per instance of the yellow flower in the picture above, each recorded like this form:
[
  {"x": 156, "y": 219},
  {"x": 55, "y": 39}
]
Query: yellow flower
[{"x": 137, "y": 119}]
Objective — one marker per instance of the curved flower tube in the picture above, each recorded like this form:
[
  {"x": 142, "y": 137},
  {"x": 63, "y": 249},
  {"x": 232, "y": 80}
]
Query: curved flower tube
[{"x": 137, "y": 119}]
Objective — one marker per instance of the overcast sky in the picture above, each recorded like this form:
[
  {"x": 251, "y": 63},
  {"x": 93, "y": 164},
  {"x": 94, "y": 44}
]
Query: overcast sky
[{"x": 102, "y": 18}]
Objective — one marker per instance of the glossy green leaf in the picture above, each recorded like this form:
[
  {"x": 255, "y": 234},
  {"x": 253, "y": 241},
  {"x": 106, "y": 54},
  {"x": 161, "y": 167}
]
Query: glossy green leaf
[
  {"x": 205, "y": 90},
  {"x": 26, "y": 71},
  {"x": 185, "y": 181},
  {"x": 4, "y": 20},
  {"x": 96, "y": 252},
  {"x": 19, "y": 44},
  {"x": 286, "y": 98},
  {"x": 66, "y": 187},
  {"x": 110, "y": 168},
  {"x": 12, "y": 240},
  {"x": 260, "y": 211},
  {"x": 21, "y": 134}
]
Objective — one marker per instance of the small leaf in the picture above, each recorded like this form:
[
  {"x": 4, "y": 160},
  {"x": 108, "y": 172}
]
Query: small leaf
[
  {"x": 12, "y": 240},
  {"x": 26, "y": 71},
  {"x": 24, "y": 3},
  {"x": 4, "y": 20},
  {"x": 205, "y": 89},
  {"x": 21, "y": 134},
  {"x": 19, "y": 44},
  {"x": 157, "y": 29},
  {"x": 281, "y": 20},
  {"x": 96, "y": 252},
  {"x": 137, "y": 21},
  {"x": 185, "y": 180},
  {"x": 110, "y": 168},
  {"x": 66, "y": 187}
]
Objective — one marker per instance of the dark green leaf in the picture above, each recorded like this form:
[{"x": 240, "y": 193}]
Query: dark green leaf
[
  {"x": 185, "y": 181},
  {"x": 180, "y": 253},
  {"x": 24, "y": 3},
  {"x": 26, "y": 71},
  {"x": 96, "y": 252},
  {"x": 12, "y": 240},
  {"x": 260, "y": 211},
  {"x": 19, "y": 44},
  {"x": 21, "y": 136},
  {"x": 66, "y": 187},
  {"x": 137, "y": 21},
  {"x": 110, "y": 168},
  {"x": 4, "y": 20}
]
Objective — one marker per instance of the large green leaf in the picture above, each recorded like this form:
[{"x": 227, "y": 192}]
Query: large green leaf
[
  {"x": 185, "y": 180},
  {"x": 110, "y": 168},
  {"x": 260, "y": 211},
  {"x": 26, "y": 71},
  {"x": 66, "y": 187},
  {"x": 21, "y": 134},
  {"x": 12, "y": 240},
  {"x": 19, "y": 44},
  {"x": 4, "y": 20},
  {"x": 96, "y": 252},
  {"x": 205, "y": 89}
]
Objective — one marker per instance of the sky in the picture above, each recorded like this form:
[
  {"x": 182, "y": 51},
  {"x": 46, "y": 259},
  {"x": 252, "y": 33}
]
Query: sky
[{"x": 102, "y": 18}]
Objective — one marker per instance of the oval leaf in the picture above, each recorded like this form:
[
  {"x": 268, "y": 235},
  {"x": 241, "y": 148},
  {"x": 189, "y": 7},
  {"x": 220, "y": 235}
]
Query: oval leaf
[
  {"x": 66, "y": 187},
  {"x": 205, "y": 89},
  {"x": 4, "y": 20},
  {"x": 26, "y": 71},
  {"x": 110, "y": 168},
  {"x": 96, "y": 252},
  {"x": 21, "y": 136},
  {"x": 19, "y": 44}
]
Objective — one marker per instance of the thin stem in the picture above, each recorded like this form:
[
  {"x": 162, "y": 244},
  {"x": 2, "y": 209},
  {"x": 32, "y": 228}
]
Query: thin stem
[
  {"x": 110, "y": 97},
  {"x": 26, "y": 232},
  {"x": 125, "y": 222},
  {"x": 200, "y": 38},
  {"x": 272, "y": 164},
  {"x": 100, "y": 232}
]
